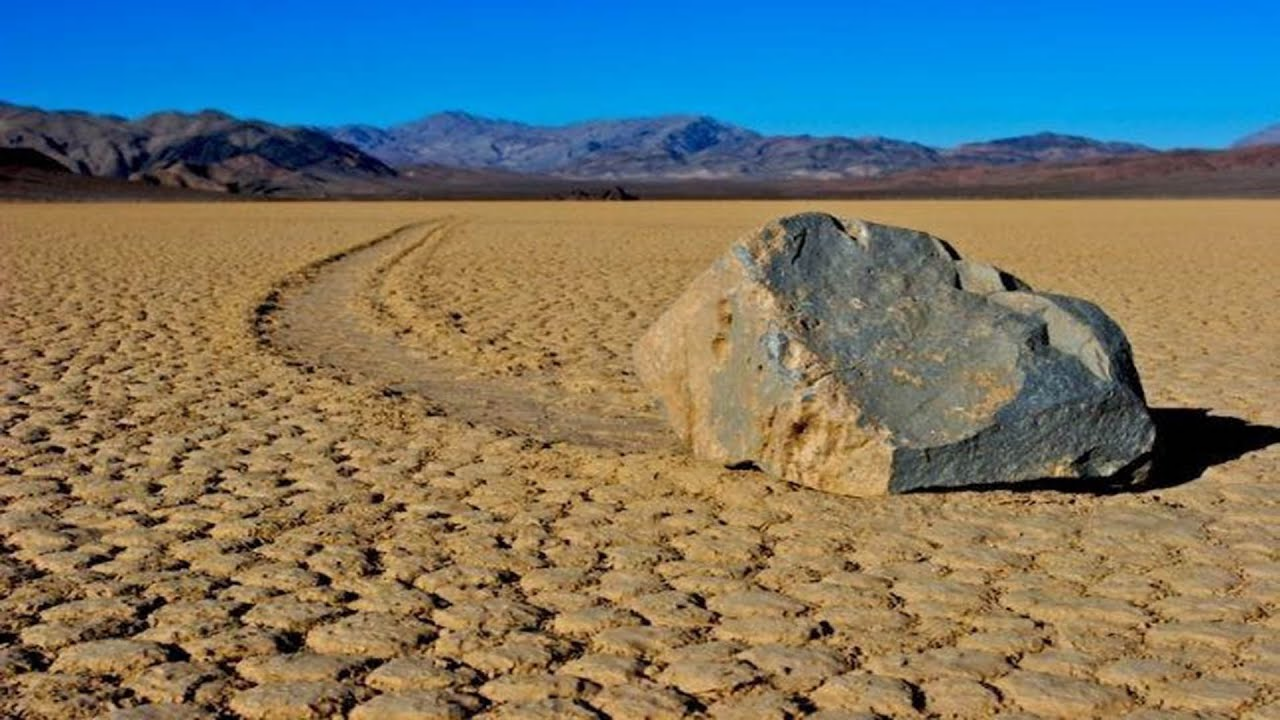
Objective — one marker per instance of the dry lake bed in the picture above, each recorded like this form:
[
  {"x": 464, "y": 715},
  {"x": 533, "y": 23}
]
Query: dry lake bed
[{"x": 390, "y": 460}]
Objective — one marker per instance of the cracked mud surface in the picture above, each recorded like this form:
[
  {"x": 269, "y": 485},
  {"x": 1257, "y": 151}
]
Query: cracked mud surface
[
  {"x": 419, "y": 480},
  {"x": 347, "y": 315}
]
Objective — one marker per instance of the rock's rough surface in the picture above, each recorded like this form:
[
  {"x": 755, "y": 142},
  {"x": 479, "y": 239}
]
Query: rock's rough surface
[{"x": 860, "y": 358}]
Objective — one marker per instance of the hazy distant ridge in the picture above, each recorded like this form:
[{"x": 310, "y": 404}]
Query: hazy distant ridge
[
  {"x": 676, "y": 146},
  {"x": 1266, "y": 136}
]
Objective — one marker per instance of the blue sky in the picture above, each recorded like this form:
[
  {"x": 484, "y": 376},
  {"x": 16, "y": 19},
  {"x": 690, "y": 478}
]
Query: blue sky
[{"x": 1168, "y": 74}]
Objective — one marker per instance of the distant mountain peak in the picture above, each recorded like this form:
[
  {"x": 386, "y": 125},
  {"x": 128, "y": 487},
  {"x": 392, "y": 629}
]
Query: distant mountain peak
[
  {"x": 461, "y": 114},
  {"x": 1269, "y": 135},
  {"x": 458, "y": 118},
  {"x": 1046, "y": 138},
  {"x": 1040, "y": 147}
]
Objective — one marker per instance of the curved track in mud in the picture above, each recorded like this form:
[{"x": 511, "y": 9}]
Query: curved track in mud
[{"x": 331, "y": 316}]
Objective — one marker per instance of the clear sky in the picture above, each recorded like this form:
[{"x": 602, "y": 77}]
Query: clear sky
[{"x": 1174, "y": 73}]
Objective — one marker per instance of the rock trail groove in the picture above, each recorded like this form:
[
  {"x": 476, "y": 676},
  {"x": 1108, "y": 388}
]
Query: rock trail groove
[{"x": 335, "y": 316}]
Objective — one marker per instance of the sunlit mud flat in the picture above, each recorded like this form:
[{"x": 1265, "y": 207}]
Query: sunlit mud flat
[{"x": 296, "y": 460}]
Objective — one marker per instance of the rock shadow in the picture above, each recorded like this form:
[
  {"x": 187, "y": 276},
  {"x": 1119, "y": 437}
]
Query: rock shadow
[{"x": 1189, "y": 441}]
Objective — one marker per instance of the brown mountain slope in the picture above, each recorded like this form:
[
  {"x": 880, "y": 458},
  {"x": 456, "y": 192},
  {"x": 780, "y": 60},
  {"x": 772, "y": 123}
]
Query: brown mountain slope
[
  {"x": 29, "y": 175},
  {"x": 207, "y": 150}
]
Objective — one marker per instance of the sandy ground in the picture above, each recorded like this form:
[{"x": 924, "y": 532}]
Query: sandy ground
[{"x": 418, "y": 479}]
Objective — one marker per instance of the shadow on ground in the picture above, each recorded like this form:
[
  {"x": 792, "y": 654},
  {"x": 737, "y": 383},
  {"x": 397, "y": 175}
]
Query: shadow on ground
[{"x": 1188, "y": 442}]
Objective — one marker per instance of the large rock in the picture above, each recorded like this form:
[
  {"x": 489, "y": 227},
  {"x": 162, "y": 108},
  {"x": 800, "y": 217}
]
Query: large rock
[{"x": 859, "y": 358}]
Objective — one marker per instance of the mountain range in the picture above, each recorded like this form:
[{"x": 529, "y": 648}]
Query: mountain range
[
  {"x": 208, "y": 150},
  {"x": 459, "y": 154},
  {"x": 690, "y": 146}
]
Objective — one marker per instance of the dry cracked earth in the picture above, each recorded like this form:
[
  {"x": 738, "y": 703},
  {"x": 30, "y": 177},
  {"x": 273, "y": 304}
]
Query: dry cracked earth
[{"x": 390, "y": 461}]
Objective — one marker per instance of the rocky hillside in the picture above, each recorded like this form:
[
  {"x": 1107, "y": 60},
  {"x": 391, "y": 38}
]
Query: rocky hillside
[
  {"x": 689, "y": 146},
  {"x": 463, "y": 140},
  {"x": 460, "y": 155},
  {"x": 208, "y": 151}
]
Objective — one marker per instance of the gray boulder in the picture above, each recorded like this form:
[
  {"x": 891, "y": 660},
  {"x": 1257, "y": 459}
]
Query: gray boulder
[{"x": 860, "y": 359}]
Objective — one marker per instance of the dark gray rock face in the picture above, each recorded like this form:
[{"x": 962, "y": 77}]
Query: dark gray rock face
[{"x": 861, "y": 359}]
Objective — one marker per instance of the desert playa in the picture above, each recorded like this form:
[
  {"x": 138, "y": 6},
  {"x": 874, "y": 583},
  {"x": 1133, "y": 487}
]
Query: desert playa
[{"x": 391, "y": 460}]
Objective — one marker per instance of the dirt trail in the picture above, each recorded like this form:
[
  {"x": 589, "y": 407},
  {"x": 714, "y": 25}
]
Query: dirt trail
[{"x": 335, "y": 316}]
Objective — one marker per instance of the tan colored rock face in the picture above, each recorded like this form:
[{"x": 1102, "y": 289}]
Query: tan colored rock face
[
  {"x": 766, "y": 420},
  {"x": 862, "y": 359}
]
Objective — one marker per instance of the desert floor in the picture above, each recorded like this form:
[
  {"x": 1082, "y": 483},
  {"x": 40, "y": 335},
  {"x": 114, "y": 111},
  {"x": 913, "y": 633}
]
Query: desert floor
[{"x": 257, "y": 464}]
